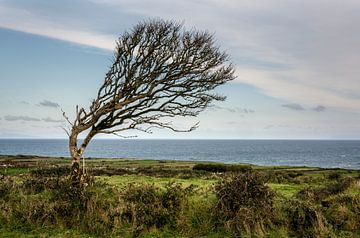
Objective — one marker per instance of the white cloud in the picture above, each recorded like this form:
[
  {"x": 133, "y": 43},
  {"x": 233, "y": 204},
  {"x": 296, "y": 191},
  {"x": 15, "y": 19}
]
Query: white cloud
[
  {"x": 25, "y": 21},
  {"x": 20, "y": 118}
]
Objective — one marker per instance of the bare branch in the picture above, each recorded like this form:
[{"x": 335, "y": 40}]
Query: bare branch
[
  {"x": 66, "y": 118},
  {"x": 159, "y": 71}
]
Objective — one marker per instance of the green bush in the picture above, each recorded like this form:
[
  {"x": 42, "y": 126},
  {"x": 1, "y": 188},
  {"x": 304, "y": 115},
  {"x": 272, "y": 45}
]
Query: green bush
[
  {"x": 306, "y": 220},
  {"x": 344, "y": 212},
  {"x": 58, "y": 202},
  {"x": 318, "y": 195},
  {"x": 245, "y": 203},
  {"x": 6, "y": 186},
  {"x": 51, "y": 172},
  {"x": 334, "y": 175},
  {"x": 282, "y": 176},
  {"x": 146, "y": 206},
  {"x": 221, "y": 168}
]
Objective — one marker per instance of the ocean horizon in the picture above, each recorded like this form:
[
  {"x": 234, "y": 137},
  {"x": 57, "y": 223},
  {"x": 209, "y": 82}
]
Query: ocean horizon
[{"x": 312, "y": 153}]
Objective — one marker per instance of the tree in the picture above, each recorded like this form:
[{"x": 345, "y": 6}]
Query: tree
[{"x": 159, "y": 71}]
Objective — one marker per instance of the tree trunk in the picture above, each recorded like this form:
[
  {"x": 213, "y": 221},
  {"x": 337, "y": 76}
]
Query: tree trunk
[{"x": 75, "y": 156}]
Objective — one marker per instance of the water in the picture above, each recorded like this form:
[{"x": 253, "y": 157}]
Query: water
[{"x": 316, "y": 153}]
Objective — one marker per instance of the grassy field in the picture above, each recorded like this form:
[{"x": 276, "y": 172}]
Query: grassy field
[{"x": 299, "y": 194}]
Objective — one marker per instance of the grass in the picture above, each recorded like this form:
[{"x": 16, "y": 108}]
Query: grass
[
  {"x": 14, "y": 171},
  {"x": 43, "y": 232},
  {"x": 122, "y": 180},
  {"x": 286, "y": 190}
]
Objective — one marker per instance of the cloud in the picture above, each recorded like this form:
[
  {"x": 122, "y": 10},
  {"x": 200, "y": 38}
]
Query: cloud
[
  {"x": 25, "y": 102},
  {"x": 49, "y": 119},
  {"x": 233, "y": 109},
  {"x": 20, "y": 118},
  {"x": 268, "y": 127},
  {"x": 294, "y": 106},
  {"x": 30, "y": 21},
  {"x": 319, "y": 108},
  {"x": 47, "y": 103}
]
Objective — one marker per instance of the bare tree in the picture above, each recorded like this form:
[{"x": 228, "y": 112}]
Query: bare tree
[{"x": 159, "y": 71}]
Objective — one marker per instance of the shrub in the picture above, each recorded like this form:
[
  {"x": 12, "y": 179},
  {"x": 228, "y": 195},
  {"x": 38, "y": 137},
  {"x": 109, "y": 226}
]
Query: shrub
[
  {"x": 82, "y": 205},
  {"x": 6, "y": 186},
  {"x": 319, "y": 194},
  {"x": 50, "y": 172},
  {"x": 221, "y": 168},
  {"x": 146, "y": 206},
  {"x": 344, "y": 212},
  {"x": 334, "y": 175},
  {"x": 305, "y": 219},
  {"x": 245, "y": 203},
  {"x": 282, "y": 176}
]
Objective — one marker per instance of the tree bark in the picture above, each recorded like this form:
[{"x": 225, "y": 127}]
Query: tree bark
[{"x": 75, "y": 155}]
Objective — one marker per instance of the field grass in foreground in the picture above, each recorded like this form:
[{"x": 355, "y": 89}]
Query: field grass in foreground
[{"x": 149, "y": 198}]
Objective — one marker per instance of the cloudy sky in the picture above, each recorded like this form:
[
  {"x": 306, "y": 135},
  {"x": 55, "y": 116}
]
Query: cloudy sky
[{"x": 297, "y": 64}]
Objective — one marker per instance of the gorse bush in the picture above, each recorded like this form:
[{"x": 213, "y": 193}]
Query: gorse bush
[{"x": 245, "y": 203}]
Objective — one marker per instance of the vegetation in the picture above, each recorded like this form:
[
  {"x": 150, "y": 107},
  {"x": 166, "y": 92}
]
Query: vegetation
[{"x": 142, "y": 198}]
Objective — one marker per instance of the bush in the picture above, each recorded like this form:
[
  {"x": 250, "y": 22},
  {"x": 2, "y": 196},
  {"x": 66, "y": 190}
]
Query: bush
[
  {"x": 6, "y": 186},
  {"x": 306, "y": 220},
  {"x": 282, "y": 176},
  {"x": 334, "y": 175},
  {"x": 146, "y": 206},
  {"x": 50, "y": 172},
  {"x": 245, "y": 203},
  {"x": 82, "y": 205},
  {"x": 221, "y": 168},
  {"x": 319, "y": 194},
  {"x": 344, "y": 212}
]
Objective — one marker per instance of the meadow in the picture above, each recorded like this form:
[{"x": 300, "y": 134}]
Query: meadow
[{"x": 158, "y": 198}]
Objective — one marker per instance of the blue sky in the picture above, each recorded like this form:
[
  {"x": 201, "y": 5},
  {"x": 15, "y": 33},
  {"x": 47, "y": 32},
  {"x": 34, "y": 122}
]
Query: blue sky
[{"x": 297, "y": 64}]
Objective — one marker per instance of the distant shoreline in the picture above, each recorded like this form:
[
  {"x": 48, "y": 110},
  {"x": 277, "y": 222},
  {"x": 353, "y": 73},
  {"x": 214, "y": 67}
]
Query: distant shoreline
[{"x": 26, "y": 158}]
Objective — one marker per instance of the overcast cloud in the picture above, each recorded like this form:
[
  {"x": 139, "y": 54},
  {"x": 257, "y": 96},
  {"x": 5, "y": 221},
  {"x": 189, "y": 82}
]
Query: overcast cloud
[
  {"x": 294, "y": 106},
  {"x": 49, "y": 119},
  {"x": 47, "y": 103},
  {"x": 20, "y": 118}
]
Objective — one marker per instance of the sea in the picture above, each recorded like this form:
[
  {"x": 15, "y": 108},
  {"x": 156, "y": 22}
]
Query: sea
[{"x": 314, "y": 153}]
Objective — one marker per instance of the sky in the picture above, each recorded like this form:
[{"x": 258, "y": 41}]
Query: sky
[{"x": 297, "y": 64}]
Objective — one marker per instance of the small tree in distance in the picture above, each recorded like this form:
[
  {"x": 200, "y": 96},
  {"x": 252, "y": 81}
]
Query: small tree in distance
[{"x": 159, "y": 71}]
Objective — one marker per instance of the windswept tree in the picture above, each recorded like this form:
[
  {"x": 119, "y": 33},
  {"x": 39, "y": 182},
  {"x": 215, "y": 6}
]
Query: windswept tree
[{"x": 159, "y": 71}]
